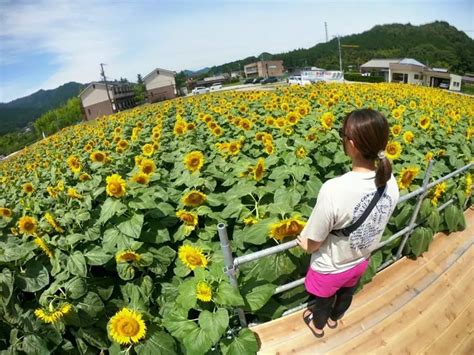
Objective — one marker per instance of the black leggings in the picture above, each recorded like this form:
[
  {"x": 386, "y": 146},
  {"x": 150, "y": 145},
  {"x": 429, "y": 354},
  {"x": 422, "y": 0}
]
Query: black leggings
[{"x": 332, "y": 307}]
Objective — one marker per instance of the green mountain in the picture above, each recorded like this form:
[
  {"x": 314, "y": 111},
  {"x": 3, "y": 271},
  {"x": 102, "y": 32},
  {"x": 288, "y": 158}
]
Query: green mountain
[
  {"x": 19, "y": 113},
  {"x": 436, "y": 44}
]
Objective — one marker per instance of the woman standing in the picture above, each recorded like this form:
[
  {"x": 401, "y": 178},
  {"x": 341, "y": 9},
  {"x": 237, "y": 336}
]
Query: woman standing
[{"x": 348, "y": 220}]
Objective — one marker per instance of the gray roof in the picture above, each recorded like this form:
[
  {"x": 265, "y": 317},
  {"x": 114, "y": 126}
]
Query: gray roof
[
  {"x": 379, "y": 63},
  {"x": 411, "y": 61}
]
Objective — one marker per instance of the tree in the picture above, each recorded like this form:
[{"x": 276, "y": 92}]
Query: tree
[{"x": 139, "y": 90}]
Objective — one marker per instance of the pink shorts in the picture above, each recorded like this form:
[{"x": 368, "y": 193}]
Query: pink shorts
[{"x": 326, "y": 285}]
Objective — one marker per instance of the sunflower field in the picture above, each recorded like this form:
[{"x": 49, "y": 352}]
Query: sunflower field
[{"x": 108, "y": 229}]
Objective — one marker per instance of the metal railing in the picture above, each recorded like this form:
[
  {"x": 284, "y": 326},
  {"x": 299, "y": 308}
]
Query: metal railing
[{"x": 231, "y": 264}]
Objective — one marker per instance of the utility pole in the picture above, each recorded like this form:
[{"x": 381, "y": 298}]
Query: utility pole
[
  {"x": 340, "y": 55},
  {"x": 326, "y": 27},
  {"x": 102, "y": 73}
]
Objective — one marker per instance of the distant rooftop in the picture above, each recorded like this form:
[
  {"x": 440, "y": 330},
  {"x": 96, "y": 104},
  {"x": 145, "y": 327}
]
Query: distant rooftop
[{"x": 385, "y": 63}]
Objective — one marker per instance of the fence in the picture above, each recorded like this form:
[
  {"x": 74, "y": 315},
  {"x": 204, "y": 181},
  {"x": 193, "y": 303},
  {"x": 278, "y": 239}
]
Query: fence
[{"x": 231, "y": 264}]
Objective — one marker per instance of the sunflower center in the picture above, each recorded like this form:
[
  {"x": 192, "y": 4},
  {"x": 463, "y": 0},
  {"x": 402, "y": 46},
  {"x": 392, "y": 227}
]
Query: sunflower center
[
  {"x": 194, "y": 162},
  {"x": 128, "y": 327},
  {"x": 99, "y": 157},
  {"x": 115, "y": 187},
  {"x": 194, "y": 259},
  {"x": 147, "y": 169},
  {"x": 29, "y": 226}
]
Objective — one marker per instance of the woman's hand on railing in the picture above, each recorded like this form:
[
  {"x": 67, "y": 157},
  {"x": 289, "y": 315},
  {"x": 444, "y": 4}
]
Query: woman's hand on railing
[{"x": 308, "y": 245}]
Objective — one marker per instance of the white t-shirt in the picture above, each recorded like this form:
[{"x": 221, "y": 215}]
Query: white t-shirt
[{"x": 341, "y": 201}]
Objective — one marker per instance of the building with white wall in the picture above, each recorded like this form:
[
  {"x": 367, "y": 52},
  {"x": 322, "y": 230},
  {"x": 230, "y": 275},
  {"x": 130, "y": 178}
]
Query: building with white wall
[{"x": 160, "y": 85}]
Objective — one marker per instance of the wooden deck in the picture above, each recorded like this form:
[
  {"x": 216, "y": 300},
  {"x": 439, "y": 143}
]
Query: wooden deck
[{"x": 414, "y": 306}]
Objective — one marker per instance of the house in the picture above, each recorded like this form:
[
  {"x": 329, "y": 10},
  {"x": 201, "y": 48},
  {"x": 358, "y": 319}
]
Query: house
[
  {"x": 97, "y": 102},
  {"x": 411, "y": 71},
  {"x": 160, "y": 85},
  {"x": 264, "y": 68},
  {"x": 378, "y": 67}
]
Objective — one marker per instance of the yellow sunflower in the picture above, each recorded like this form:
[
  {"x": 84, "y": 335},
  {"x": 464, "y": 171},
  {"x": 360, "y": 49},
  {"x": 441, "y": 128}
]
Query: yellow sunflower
[
  {"x": 192, "y": 257},
  {"x": 234, "y": 147},
  {"x": 259, "y": 169},
  {"x": 98, "y": 157},
  {"x": 327, "y": 120},
  {"x": 52, "y": 315},
  {"x": 290, "y": 227},
  {"x": 74, "y": 164},
  {"x": 43, "y": 246},
  {"x": 396, "y": 129},
  {"x": 85, "y": 177},
  {"x": 194, "y": 161},
  {"x": 127, "y": 256},
  {"x": 194, "y": 198},
  {"x": 393, "y": 150},
  {"x": 148, "y": 150},
  {"x": 408, "y": 137},
  {"x": 300, "y": 152},
  {"x": 424, "y": 122},
  {"x": 468, "y": 184},
  {"x": 189, "y": 218},
  {"x": 251, "y": 220},
  {"x": 27, "y": 225},
  {"x": 5, "y": 212},
  {"x": 72, "y": 193},
  {"x": 203, "y": 291},
  {"x": 407, "y": 175},
  {"x": 28, "y": 188},
  {"x": 50, "y": 218},
  {"x": 127, "y": 326},
  {"x": 115, "y": 186},
  {"x": 141, "y": 178}
]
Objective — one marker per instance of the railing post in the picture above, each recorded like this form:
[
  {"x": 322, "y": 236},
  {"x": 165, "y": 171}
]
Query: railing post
[
  {"x": 229, "y": 268},
  {"x": 417, "y": 209}
]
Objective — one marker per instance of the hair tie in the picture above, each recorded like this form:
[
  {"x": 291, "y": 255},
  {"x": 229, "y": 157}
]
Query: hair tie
[{"x": 381, "y": 154}]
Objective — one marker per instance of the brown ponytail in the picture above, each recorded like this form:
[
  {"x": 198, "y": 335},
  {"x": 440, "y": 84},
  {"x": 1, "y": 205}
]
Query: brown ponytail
[{"x": 368, "y": 129}]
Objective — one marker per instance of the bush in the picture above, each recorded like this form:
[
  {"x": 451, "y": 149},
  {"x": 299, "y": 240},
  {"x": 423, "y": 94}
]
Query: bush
[{"x": 365, "y": 79}]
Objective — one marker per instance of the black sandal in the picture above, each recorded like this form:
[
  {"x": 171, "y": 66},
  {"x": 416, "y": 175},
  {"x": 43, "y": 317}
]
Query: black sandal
[
  {"x": 332, "y": 326},
  {"x": 308, "y": 319}
]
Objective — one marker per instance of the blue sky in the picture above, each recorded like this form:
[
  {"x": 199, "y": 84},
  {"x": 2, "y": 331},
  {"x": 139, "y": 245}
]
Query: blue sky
[{"x": 46, "y": 43}]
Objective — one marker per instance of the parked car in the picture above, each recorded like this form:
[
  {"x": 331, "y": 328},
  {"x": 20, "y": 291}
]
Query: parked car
[
  {"x": 216, "y": 86},
  {"x": 444, "y": 86},
  {"x": 298, "y": 80},
  {"x": 200, "y": 90},
  {"x": 270, "y": 79},
  {"x": 257, "y": 80},
  {"x": 249, "y": 81}
]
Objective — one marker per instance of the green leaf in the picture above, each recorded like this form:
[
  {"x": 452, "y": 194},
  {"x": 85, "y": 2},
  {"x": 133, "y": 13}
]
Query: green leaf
[
  {"x": 95, "y": 337},
  {"x": 214, "y": 324},
  {"x": 178, "y": 325},
  {"x": 258, "y": 296},
  {"x": 452, "y": 217},
  {"x": 76, "y": 288},
  {"x": 227, "y": 295},
  {"x": 34, "y": 278},
  {"x": 132, "y": 227},
  {"x": 197, "y": 341},
  {"x": 434, "y": 220},
  {"x": 187, "y": 294},
  {"x": 91, "y": 304},
  {"x": 402, "y": 218},
  {"x": 76, "y": 264},
  {"x": 271, "y": 267},
  {"x": 34, "y": 344},
  {"x": 113, "y": 240},
  {"x": 6, "y": 286},
  {"x": 256, "y": 234},
  {"x": 156, "y": 343},
  {"x": 426, "y": 209},
  {"x": 110, "y": 208},
  {"x": 97, "y": 256},
  {"x": 232, "y": 210},
  {"x": 126, "y": 271},
  {"x": 420, "y": 240},
  {"x": 246, "y": 343}
]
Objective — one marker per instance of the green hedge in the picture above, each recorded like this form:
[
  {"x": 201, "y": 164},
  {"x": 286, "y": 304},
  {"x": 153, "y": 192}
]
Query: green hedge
[{"x": 366, "y": 79}]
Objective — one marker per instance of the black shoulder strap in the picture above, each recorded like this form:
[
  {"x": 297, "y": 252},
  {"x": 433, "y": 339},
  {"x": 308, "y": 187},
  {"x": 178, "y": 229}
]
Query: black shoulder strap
[{"x": 349, "y": 229}]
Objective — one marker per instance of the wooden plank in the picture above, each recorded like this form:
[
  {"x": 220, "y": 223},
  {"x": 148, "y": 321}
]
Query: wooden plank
[
  {"x": 379, "y": 335},
  {"x": 277, "y": 334},
  {"x": 466, "y": 347},
  {"x": 356, "y": 321},
  {"x": 455, "y": 334}
]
